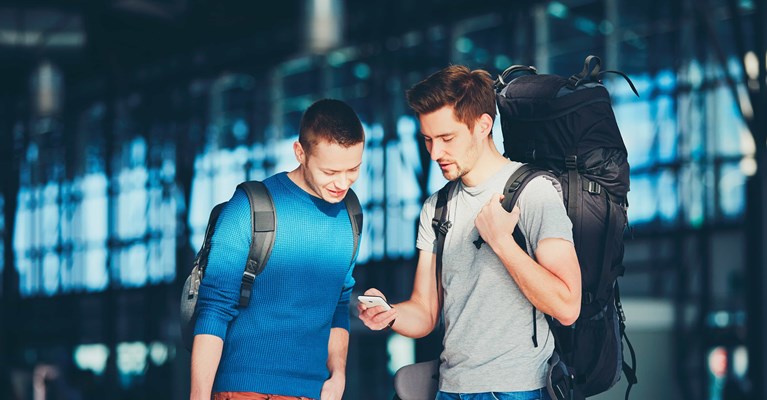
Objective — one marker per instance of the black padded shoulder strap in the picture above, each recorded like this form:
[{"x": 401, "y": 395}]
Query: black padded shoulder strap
[
  {"x": 202, "y": 256},
  {"x": 517, "y": 181},
  {"x": 264, "y": 222},
  {"x": 354, "y": 209},
  {"x": 441, "y": 225},
  {"x": 511, "y": 192}
]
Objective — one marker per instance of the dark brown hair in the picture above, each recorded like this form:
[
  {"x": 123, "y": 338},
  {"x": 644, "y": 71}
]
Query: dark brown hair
[
  {"x": 470, "y": 93},
  {"x": 331, "y": 120}
]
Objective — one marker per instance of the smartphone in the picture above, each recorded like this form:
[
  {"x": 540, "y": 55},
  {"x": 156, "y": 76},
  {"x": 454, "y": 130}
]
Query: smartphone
[{"x": 372, "y": 301}]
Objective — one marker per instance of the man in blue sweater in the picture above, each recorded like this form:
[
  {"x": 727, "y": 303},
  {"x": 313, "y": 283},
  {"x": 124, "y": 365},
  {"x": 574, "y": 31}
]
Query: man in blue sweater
[{"x": 291, "y": 341}]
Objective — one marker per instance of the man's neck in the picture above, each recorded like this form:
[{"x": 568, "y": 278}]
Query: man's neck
[
  {"x": 297, "y": 176},
  {"x": 488, "y": 163}
]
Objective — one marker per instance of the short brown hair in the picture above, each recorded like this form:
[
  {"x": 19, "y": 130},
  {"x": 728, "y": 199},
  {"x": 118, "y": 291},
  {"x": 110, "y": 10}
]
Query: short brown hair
[
  {"x": 332, "y": 120},
  {"x": 470, "y": 93}
]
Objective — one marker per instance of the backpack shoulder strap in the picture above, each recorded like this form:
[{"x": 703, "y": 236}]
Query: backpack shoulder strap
[
  {"x": 264, "y": 221},
  {"x": 201, "y": 260},
  {"x": 354, "y": 209},
  {"x": 511, "y": 192},
  {"x": 441, "y": 225},
  {"x": 517, "y": 181}
]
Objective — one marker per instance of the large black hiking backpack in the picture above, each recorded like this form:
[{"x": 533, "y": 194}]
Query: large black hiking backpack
[
  {"x": 565, "y": 128},
  {"x": 264, "y": 223}
]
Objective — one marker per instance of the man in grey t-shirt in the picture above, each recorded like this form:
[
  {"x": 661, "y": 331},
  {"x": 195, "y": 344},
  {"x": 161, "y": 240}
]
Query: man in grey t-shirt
[{"x": 490, "y": 291}]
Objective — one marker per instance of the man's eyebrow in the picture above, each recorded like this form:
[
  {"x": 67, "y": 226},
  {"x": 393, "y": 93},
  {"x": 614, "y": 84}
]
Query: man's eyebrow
[
  {"x": 439, "y": 135},
  {"x": 337, "y": 170}
]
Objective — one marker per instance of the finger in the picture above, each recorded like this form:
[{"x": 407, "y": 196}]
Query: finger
[
  {"x": 383, "y": 317},
  {"x": 374, "y": 292}
]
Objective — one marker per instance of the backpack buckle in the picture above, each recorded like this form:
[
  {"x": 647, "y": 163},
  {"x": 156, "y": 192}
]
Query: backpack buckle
[{"x": 444, "y": 227}]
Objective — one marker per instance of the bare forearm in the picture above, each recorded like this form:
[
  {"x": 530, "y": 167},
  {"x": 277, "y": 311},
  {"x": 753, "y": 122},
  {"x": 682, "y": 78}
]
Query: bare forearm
[
  {"x": 415, "y": 318},
  {"x": 338, "y": 348},
  {"x": 206, "y": 355}
]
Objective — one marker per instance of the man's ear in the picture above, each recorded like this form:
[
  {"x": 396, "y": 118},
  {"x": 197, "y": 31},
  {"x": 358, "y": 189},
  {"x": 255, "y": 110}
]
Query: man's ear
[
  {"x": 299, "y": 152},
  {"x": 484, "y": 124}
]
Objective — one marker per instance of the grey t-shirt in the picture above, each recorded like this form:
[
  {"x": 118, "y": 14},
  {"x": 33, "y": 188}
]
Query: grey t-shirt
[{"x": 488, "y": 343}]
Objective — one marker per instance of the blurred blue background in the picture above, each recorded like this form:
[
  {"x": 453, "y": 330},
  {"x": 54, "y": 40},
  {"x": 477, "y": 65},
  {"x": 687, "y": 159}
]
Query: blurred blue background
[{"x": 123, "y": 122}]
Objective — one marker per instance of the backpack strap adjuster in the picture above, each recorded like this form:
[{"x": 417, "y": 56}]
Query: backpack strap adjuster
[
  {"x": 573, "y": 82},
  {"x": 246, "y": 289},
  {"x": 593, "y": 187},
  {"x": 248, "y": 277},
  {"x": 571, "y": 162}
]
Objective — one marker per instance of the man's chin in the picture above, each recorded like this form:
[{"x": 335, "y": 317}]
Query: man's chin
[
  {"x": 331, "y": 197},
  {"x": 451, "y": 176}
]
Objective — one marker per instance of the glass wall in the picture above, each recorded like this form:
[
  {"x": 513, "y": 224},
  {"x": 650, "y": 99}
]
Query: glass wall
[{"x": 83, "y": 233}]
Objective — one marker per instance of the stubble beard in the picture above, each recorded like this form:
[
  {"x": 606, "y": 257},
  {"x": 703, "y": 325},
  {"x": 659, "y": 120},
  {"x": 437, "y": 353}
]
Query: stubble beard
[{"x": 460, "y": 171}]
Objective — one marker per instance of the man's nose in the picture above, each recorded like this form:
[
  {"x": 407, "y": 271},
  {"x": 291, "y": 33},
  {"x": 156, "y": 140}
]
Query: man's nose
[
  {"x": 436, "y": 150},
  {"x": 343, "y": 181}
]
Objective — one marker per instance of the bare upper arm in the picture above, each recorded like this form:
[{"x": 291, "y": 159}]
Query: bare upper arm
[{"x": 558, "y": 257}]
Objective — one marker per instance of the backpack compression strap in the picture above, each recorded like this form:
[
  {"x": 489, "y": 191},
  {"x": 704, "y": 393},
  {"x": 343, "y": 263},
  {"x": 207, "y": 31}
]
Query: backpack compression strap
[
  {"x": 355, "y": 216},
  {"x": 264, "y": 221},
  {"x": 628, "y": 370}
]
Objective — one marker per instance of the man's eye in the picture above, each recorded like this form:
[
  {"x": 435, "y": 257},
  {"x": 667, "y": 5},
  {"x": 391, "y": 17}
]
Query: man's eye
[{"x": 447, "y": 139}]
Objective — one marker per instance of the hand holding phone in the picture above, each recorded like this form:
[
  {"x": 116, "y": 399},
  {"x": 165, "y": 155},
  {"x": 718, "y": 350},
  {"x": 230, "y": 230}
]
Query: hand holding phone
[{"x": 373, "y": 301}]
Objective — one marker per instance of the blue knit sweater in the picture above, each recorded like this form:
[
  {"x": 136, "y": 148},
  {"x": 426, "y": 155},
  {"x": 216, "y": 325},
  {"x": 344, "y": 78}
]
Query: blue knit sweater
[{"x": 279, "y": 343}]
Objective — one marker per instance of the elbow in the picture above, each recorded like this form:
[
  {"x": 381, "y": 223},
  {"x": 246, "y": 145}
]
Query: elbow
[
  {"x": 570, "y": 308},
  {"x": 424, "y": 330},
  {"x": 569, "y": 313},
  {"x": 567, "y": 319}
]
